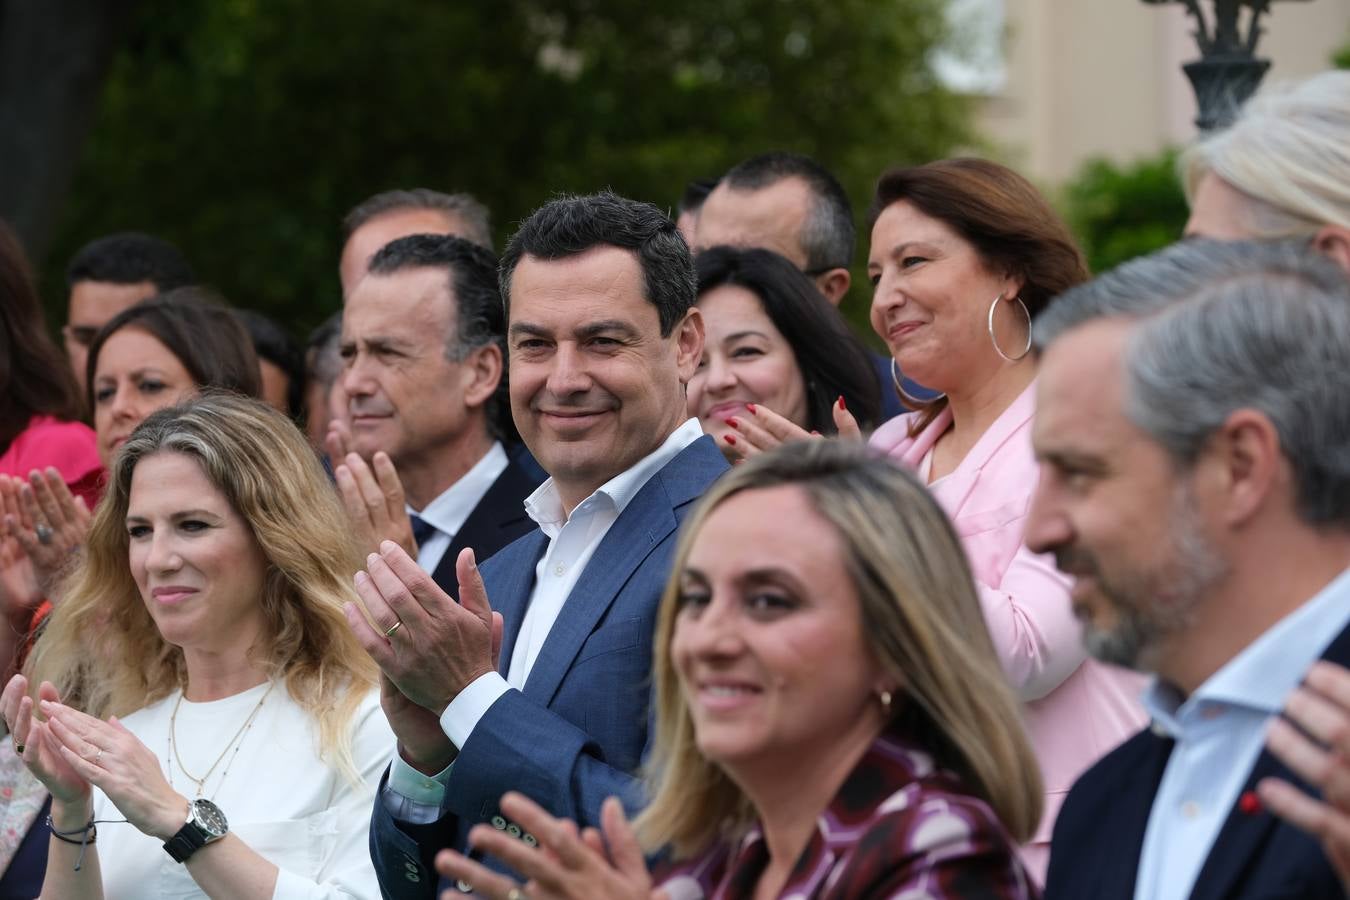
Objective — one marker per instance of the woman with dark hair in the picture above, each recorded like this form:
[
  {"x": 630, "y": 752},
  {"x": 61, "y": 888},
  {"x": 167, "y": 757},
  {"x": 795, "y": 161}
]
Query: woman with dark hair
[
  {"x": 41, "y": 440},
  {"x": 771, "y": 339},
  {"x": 965, "y": 254}
]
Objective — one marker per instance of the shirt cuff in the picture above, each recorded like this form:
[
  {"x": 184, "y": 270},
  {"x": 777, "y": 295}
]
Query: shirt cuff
[
  {"x": 461, "y": 716},
  {"x": 407, "y": 782}
]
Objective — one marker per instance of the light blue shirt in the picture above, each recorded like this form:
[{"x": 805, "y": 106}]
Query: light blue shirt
[{"x": 1219, "y": 732}]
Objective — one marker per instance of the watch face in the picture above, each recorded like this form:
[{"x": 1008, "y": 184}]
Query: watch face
[{"x": 209, "y": 817}]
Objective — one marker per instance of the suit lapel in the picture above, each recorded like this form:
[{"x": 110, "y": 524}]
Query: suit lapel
[
  {"x": 648, "y": 520},
  {"x": 501, "y": 507},
  {"x": 1129, "y": 817}
]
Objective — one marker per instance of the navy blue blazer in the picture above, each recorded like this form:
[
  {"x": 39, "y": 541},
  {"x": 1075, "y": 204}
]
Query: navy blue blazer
[
  {"x": 497, "y": 520},
  {"x": 1099, "y": 835},
  {"x": 579, "y": 730}
]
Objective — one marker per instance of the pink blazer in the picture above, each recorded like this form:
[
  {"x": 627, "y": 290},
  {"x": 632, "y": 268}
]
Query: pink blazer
[{"x": 1076, "y": 708}]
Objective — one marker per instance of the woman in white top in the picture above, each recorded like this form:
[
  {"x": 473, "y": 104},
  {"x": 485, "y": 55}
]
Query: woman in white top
[{"x": 208, "y": 612}]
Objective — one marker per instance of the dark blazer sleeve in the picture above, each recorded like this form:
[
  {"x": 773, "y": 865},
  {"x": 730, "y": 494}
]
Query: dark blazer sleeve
[{"x": 404, "y": 854}]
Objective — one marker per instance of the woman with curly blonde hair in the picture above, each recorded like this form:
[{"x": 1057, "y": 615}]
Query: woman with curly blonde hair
[{"x": 227, "y": 716}]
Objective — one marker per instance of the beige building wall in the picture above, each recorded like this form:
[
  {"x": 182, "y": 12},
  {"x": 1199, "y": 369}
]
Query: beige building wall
[{"x": 1102, "y": 78}]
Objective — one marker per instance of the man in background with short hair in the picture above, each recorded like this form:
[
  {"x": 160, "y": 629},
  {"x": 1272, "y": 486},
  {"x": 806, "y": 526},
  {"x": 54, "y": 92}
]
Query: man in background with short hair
[
  {"x": 394, "y": 214},
  {"x": 110, "y": 274}
]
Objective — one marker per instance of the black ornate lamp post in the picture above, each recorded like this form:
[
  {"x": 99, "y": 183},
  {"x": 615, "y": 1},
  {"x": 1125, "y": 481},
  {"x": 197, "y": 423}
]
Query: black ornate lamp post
[{"x": 1228, "y": 70}]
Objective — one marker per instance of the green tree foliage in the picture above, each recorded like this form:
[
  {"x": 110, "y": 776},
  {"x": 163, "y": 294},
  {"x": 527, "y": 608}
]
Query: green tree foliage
[
  {"x": 1119, "y": 212},
  {"x": 244, "y": 129}
]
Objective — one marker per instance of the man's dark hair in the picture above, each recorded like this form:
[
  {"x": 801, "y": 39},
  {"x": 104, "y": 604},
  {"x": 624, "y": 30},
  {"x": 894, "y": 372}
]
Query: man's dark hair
[
  {"x": 130, "y": 257},
  {"x": 464, "y": 207},
  {"x": 571, "y": 225},
  {"x": 273, "y": 344},
  {"x": 479, "y": 320},
  {"x": 695, "y": 192},
  {"x": 828, "y": 236}
]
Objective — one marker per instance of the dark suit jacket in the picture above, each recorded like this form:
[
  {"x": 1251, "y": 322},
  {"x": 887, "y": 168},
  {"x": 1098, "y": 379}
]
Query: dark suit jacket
[
  {"x": 1099, "y": 835},
  {"x": 579, "y": 730},
  {"x": 497, "y": 520}
]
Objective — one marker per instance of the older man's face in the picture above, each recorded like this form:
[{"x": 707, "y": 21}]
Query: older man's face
[
  {"x": 1113, "y": 508},
  {"x": 771, "y": 217}
]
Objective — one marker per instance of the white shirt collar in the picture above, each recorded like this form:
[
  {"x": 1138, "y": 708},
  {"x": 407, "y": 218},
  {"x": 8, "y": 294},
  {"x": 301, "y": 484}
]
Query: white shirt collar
[
  {"x": 545, "y": 505},
  {"x": 452, "y": 507},
  {"x": 1263, "y": 674}
]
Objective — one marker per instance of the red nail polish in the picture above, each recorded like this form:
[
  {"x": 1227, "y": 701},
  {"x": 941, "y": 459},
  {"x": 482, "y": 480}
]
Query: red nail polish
[
  {"x": 751, "y": 407},
  {"x": 730, "y": 439},
  {"x": 1250, "y": 804},
  {"x": 734, "y": 424},
  {"x": 842, "y": 405}
]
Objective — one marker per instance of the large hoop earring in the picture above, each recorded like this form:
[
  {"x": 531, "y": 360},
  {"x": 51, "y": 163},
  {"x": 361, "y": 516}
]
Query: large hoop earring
[
  {"x": 909, "y": 398},
  {"x": 993, "y": 340}
]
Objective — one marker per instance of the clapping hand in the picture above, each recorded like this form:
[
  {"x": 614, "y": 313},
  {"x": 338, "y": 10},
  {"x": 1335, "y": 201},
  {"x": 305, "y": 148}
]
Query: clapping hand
[
  {"x": 38, "y": 745},
  {"x": 48, "y": 521},
  {"x": 567, "y": 864},
  {"x": 374, "y": 500},
  {"x": 763, "y": 429},
  {"x": 428, "y": 647},
  {"x": 1320, "y": 754}
]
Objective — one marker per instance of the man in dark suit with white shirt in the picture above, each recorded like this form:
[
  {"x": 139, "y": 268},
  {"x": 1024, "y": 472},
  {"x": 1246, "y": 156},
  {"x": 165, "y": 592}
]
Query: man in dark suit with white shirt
[
  {"x": 603, "y": 337},
  {"x": 1192, "y": 428},
  {"x": 427, "y": 455}
]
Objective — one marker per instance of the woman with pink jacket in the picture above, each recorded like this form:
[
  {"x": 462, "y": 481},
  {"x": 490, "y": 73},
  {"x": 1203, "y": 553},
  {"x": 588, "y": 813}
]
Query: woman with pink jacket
[{"x": 964, "y": 254}]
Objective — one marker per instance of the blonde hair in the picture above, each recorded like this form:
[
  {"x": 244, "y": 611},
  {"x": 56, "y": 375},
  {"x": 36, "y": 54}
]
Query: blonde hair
[
  {"x": 101, "y": 648},
  {"x": 1287, "y": 152},
  {"x": 923, "y": 621}
]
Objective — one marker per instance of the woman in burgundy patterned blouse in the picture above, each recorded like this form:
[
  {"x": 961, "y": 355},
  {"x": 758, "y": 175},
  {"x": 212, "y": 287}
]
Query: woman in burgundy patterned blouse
[{"x": 832, "y": 721}]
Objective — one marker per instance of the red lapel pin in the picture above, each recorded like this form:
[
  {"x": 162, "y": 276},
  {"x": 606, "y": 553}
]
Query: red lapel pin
[{"x": 1250, "y": 804}]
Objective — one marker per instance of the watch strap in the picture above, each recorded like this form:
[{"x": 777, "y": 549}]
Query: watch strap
[{"x": 186, "y": 842}]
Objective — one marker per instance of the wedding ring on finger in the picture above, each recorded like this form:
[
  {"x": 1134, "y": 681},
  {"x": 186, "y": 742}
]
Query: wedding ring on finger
[
  {"x": 98, "y": 756},
  {"x": 44, "y": 532},
  {"x": 515, "y": 894},
  {"x": 392, "y": 628}
]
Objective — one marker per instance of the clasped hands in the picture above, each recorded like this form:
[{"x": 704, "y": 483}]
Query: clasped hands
[
  {"x": 428, "y": 647},
  {"x": 68, "y": 751}
]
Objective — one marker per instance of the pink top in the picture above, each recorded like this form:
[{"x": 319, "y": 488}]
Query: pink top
[
  {"x": 69, "y": 446},
  {"x": 1077, "y": 709}
]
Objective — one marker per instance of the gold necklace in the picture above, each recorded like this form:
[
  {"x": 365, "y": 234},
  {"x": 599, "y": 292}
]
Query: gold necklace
[{"x": 236, "y": 742}]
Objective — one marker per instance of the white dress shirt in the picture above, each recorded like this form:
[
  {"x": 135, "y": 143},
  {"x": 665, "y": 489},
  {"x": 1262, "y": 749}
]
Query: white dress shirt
[
  {"x": 1219, "y": 732},
  {"x": 414, "y": 797},
  {"x": 452, "y": 508}
]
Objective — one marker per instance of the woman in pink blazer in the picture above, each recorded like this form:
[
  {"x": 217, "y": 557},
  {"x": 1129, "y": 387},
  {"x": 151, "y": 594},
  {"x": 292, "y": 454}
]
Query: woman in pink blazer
[{"x": 964, "y": 254}]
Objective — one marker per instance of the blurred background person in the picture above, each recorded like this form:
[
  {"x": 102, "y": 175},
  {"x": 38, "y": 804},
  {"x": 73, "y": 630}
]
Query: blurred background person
[
  {"x": 281, "y": 364},
  {"x": 1279, "y": 171},
  {"x": 207, "y": 616},
  {"x": 324, "y": 398},
  {"x": 691, "y": 201},
  {"x": 823, "y": 727},
  {"x": 771, "y": 339},
  {"x": 388, "y": 215},
  {"x": 40, "y": 431},
  {"x": 111, "y": 273}
]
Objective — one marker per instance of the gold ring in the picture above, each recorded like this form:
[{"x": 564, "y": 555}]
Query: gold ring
[
  {"x": 18, "y": 748},
  {"x": 515, "y": 894},
  {"x": 395, "y": 627}
]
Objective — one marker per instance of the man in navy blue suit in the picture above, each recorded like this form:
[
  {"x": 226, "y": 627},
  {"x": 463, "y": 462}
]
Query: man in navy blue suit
[
  {"x": 1193, "y": 427},
  {"x": 602, "y": 337}
]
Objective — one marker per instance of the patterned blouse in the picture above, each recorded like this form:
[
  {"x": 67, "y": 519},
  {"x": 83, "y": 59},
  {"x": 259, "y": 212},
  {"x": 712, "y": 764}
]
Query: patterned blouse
[{"x": 898, "y": 828}]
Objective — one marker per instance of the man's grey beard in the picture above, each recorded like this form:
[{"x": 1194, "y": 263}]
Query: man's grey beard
[{"x": 1153, "y": 604}]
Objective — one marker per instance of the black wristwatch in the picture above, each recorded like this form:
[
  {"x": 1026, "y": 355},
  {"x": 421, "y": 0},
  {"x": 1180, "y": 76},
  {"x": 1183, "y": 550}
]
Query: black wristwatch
[{"x": 205, "y": 824}]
